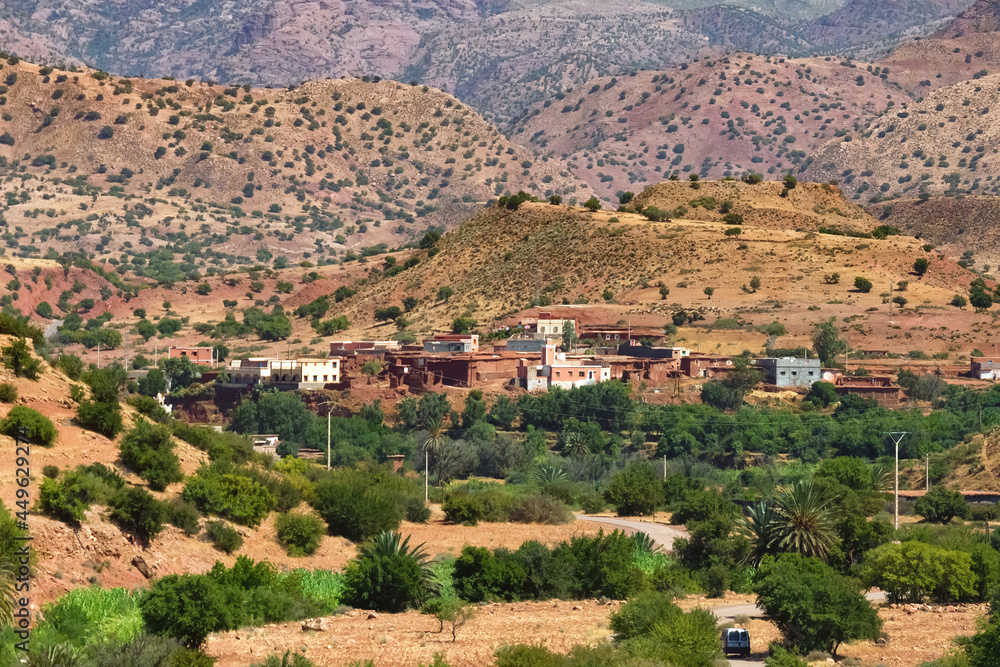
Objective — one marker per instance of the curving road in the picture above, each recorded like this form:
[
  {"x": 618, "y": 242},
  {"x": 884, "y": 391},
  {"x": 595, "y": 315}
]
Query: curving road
[
  {"x": 665, "y": 536},
  {"x": 660, "y": 533}
]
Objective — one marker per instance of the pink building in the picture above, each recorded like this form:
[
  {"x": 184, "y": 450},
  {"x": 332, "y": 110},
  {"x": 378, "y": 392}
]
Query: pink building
[
  {"x": 558, "y": 371},
  {"x": 198, "y": 355}
]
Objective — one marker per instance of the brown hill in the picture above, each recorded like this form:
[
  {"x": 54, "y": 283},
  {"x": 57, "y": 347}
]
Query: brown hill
[
  {"x": 943, "y": 144},
  {"x": 958, "y": 225},
  {"x": 359, "y": 163},
  {"x": 713, "y": 117},
  {"x": 969, "y": 46},
  {"x": 572, "y": 256}
]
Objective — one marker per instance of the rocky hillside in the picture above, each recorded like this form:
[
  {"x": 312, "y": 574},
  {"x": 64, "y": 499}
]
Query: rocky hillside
[
  {"x": 498, "y": 55},
  {"x": 713, "y": 117},
  {"x": 945, "y": 144},
  {"x": 357, "y": 163}
]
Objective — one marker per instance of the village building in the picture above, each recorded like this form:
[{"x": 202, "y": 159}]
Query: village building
[
  {"x": 876, "y": 388},
  {"x": 354, "y": 353},
  {"x": 618, "y": 335},
  {"x": 285, "y": 374},
  {"x": 985, "y": 368},
  {"x": 556, "y": 370},
  {"x": 548, "y": 326},
  {"x": 790, "y": 371},
  {"x": 705, "y": 365},
  {"x": 420, "y": 370},
  {"x": 203, "y": 356},
  {"x": 450, "y": 343}
]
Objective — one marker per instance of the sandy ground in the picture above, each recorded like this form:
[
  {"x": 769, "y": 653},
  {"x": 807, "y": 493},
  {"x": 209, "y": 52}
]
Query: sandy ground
[{"x": 411, "y": 638}]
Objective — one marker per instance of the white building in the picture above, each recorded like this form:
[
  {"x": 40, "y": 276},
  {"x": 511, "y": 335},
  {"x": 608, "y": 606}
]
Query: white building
[{"x": 283, "y": 373}]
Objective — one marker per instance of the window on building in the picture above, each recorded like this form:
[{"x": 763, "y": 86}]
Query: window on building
[
  {"x": 324, "y": 378},
  {"x": 591, "y": 375},
  {"x": 581, "y": 373}
]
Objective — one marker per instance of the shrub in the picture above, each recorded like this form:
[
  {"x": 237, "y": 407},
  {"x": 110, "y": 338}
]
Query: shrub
[
  {"x": 300, "y": 534},
  {"x": 225, "y": 538},
  {"x": 287, "y": 660},
  {"x": 781, "y": 657},
  {"x": 17, "y": 357},
  {"x": 541, "y": 508},
  {"x": 57, "y": 501},
  {"x": 387, "y": 576},
  {"x": 71, "y": 365},
  {"x": 101, "y": 417},
  {"x": 910, "y": 571},
  {"x": 941, "y": 505},
  {"x": 28, "y": 423},
  {"x": 149, "y": 407},
  {"x": 51, "y": 471},
  {"x": 148, "y": 449},
  {"x": 463, "y": 508},
  {"x": 862, "y": 284},
  {"x": 593, "y": 204},
  {"x": 138, "y": 513},
  {"x": 364, "y": 501},
  {"x": 717, "y": 580},
  {"x": 229, "y": 495},
  {"x": 184, "y": 515},
  {"x": 637, "y": 617},
  {"x": 635, "y": 491},
  {"x": 187, "y": 607},
  {"x": 8, "y": 392}
]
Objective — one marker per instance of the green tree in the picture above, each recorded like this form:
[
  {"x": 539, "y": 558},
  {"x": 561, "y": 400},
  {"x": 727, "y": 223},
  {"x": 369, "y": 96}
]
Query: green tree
[
  {"x": 635, "y": 490},
  {"x": 826, "y": 342},
  {"x": 593, "y": 204},
  {"x": 138, "y": 514},
  {"x": 806, "y": 521},
  {"x": 709, "y": 291},
  {"x": 862, "y": 284},
  {"x": 153, "y": 383},
  {"x": 148, "y": 449},
  {"x": 920, "y": 266},
  {"x": 445, "y": 293},
  {"x": 569, "y": 337},
  {"x": 755, "y": 283},
  {"x": 814, "y": 607},
  {"x": 941, "y": 505},
  {"x": 461, "y": 325},
  {"x": 503, "y": 413},
  {"x": 187, "y": 607},
  {"x": 911, "y": 571}
]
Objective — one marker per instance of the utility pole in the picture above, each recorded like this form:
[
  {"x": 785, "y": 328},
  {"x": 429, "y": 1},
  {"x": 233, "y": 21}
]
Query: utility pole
[
  {"x": 98, "y": 355},
  {"x": 427, "y": 467},
  {"x": 927, "y": 472},
  {"x": 664, "y": 467},
  {"x": 329, "y": 444},
  {"x": 896, "y": 437}
]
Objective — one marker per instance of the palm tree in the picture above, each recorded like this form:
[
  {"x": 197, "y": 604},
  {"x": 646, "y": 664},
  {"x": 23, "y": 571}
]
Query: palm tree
[
  {"x": 435, "y": 437},
  {"x": 881, "y": 477},
  {"x": 388, "y": 543},
  {"x": 760, "y": 526},
  {"x": 806, "y": 521}
]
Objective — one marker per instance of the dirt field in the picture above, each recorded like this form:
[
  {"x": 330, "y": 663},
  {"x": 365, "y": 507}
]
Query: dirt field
[{"x": 408, "y": 639}]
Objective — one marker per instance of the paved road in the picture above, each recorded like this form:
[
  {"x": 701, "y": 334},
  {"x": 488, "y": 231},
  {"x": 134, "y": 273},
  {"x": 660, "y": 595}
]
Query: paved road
[
  {"x": 665, "y": 536},
  {"x": 660, "y": 533},
  {"x": 52, "y": 329}
]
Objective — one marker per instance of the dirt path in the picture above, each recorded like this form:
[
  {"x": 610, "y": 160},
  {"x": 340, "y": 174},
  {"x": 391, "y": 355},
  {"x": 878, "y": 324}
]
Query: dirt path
[{"x": 662, "y": 534}]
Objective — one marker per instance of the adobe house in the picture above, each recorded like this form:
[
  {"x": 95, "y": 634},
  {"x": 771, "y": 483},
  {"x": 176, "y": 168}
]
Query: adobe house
[
  {"x": 877, "y": 388},
  {"x": 452, "y": 343},
  {"x": 558, "y": 371},
  {"x": 705, "y": 365}
]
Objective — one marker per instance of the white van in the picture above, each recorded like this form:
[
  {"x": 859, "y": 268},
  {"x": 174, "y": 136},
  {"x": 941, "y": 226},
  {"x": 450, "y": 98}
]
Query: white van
[{"x": 736, "y": 640}]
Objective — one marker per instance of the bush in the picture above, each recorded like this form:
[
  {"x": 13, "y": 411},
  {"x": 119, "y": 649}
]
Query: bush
[
  {"x": 149, "y": 450},
  {"x": 591, "y": 502},
  {"x": 910, "y": 571},
  {"x": 463, "y": 508},
  {"x": 30, "y": 424},
  {"x": 387, "y": 576},
  {"x": 8, "y": 392},
  {"x": 225, "y": 538},
  {"x": 717, "y": 580},
  {"x": 101, "y": 417},
  {"x": 184, "y": 515},
  {"x": 300, "y": 534},
  {"x": 541, "y": 509},
  {"x": 287, "y": 660},
  {"x": 637, "y": 617},
  {"x": 149, "y": 407},
  {"x": 941, "y": 505},
  {"x": 138, "y": 513},
  {"x": 361, "y": 502},
  {"x": 862, "y": 284},
  {"x": 187, "y": 607},
  {"x": 229, "y": 495},
  {"x": 635, "y": 491},
  {"x": 781, "y": 657},
  {"x": 57, "y": 501},
  {"x": 51, "y": 471},
  {"x": 17, "y": 357}
]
